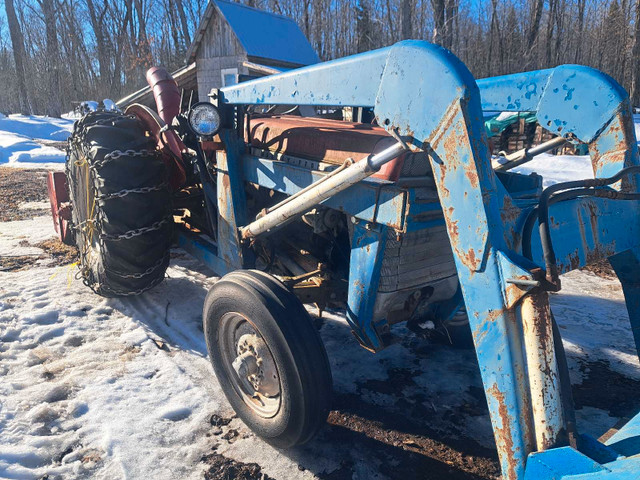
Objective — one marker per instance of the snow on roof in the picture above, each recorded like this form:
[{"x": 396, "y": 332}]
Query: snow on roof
[{"x": 262, "y": 34}]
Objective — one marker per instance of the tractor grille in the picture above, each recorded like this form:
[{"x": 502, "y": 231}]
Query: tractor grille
[{"x": 417, "y": 259}]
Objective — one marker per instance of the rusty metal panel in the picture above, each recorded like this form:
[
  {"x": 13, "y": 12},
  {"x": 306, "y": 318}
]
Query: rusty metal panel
[
  {"x": 372, "y": 200},
  {"x": 231, "y": 201},
  {"x": 330, "y": 141}
]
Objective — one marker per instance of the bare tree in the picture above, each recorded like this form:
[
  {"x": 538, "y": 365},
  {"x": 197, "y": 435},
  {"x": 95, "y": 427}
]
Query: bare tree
[
  {"x": 54, "y": 100},
  {"x": 19, "y": 56},
  {"x": 635, "y": 56},
  {"x": 439, "y": 19},
  {"x": 183, "y": 22},
  {"x": 406, "y": 14}
]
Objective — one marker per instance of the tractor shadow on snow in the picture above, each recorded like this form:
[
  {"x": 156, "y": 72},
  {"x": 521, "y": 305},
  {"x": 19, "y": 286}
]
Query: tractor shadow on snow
[
  {"x": 416, "y": 410},
  {"x": 392, "y": 437}
]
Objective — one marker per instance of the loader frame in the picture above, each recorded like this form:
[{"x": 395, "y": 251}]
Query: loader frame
[{"x": 423, "y": 94}]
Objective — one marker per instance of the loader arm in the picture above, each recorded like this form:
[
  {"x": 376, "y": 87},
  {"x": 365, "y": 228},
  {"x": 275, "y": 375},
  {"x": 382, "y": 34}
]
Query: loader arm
[{"x": 423, "y": 92}]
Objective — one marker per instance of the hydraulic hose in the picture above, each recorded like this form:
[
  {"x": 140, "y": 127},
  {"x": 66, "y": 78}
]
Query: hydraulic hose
[{"x": 551, "y": 195}]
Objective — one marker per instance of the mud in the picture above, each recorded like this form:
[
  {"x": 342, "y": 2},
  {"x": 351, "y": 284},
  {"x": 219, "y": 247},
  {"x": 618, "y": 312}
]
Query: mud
[
  {"x": 601, "y": 269},
  {"x": 223, "y": 468},
  {"x": 608, "y": 390},
  {"x": 406, "y": 447}
]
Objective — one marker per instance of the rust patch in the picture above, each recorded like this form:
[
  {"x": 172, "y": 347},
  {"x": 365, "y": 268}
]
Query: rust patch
[
  {"x": 503, "y": 434},
  {"x": 593, "y": 218},
  {"x": 471, "y": 173},
  {"x": 468, "y": 258},
  {"x": 574, "y": 259},
  {"x": 452, "y": 225},
  {"x": 600, "y": 252},
  {"x": 509, "y": 213}
]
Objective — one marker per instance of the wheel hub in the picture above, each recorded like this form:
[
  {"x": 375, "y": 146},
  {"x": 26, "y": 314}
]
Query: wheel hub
[
  {"x": 251, "y": 366},
  {"x": 254, "y": 364}
]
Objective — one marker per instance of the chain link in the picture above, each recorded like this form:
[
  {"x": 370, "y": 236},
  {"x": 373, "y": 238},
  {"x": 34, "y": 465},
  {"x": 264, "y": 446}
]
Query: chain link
[
  {"x": 135, "y": 232},
  {"x": 125, "y": 192},
  {"x": 116, "y": 154},
  {"x": 148, "y": 271},
  {"x": 102, "y": 289}
]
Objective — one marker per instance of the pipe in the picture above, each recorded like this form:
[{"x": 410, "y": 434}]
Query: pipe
[
  {"x": 542, "y": 367},
  {"x": 348, "y": 162},
  {"x": 165, "y": 92},
  {"x": 526, "y": 154},
  {"x": 321, "y": 190}
]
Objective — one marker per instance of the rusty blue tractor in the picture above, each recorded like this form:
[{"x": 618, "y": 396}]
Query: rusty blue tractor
[{"x": 404, "y": 218}]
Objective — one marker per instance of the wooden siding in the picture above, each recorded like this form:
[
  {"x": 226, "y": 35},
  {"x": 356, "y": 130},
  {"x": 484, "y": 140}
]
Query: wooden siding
[
  {"x": 219, "y": 40},
  {"x": 218, "y": 50}
]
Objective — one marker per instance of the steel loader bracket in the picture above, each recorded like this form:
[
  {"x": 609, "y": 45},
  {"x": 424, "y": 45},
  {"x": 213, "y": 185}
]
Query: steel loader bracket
[{"x": 424, "y": 95}]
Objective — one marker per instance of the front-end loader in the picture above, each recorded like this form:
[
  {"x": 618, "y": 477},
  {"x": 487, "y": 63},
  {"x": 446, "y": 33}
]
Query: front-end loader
[{"x": 404, "y": 219}]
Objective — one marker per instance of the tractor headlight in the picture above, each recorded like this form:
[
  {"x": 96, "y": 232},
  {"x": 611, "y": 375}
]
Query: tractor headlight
[{"x": 204, "y": 119}]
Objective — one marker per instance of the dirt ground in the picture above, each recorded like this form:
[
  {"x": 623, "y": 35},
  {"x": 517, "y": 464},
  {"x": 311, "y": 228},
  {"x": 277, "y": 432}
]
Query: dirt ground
[{"x": 19, "y": 186}]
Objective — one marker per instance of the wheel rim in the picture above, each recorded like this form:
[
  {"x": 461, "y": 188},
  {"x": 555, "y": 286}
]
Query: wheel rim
[{"x": 249, "y": 364}]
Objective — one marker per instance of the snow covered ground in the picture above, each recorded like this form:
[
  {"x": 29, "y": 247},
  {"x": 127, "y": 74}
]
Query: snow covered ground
[
  {"x": 24, "y": 140},
  {"x": 122, "y": 388}
]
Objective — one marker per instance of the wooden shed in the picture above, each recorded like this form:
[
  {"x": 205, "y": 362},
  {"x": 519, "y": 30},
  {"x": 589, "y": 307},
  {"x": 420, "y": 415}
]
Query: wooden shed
[{"x": 235, "y": 42}]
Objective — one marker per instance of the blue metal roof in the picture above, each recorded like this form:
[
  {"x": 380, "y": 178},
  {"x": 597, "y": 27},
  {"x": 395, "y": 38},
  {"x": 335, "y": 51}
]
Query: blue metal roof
[{"x": 268, "y": 35}]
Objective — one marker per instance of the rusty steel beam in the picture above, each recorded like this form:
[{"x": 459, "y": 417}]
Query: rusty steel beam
[{"x": 544, "y": 380}]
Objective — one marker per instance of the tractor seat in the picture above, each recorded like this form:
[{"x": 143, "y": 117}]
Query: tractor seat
[{"x": 323, "y": 140}]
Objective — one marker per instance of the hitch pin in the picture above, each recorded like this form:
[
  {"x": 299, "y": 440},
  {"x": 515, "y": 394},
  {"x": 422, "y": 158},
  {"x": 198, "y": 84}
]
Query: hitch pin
[{"x": 523, "y": 282}]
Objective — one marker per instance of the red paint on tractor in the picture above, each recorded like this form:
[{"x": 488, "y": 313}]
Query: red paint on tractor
[
  {"x": 165, "y": 92},
  {"x": 60, "y": 205},
  {"x": 329, "y": 141}
]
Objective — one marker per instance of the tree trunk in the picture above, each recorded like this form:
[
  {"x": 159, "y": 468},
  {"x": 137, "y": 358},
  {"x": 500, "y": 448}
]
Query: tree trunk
[
  {"x": 536, "y": 17},
  {"x": 19, "y": 57},
  {"x": 635, "y": 56},
  {"x": 438, "y": 18},
  {"x": 185, "y": 25},
  {"x": 581, "y": 6},
  {"x": 54, "y": 102},
  {"x": 97, "y": 25},
  {"x": 451, "y": 15},
  {"x": 406, "y": 11},
  {"x": 144, "y": 49}
]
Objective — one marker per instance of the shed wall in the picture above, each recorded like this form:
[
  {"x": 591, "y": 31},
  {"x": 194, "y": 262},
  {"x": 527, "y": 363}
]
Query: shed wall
[{"x": 218, "y": 50}]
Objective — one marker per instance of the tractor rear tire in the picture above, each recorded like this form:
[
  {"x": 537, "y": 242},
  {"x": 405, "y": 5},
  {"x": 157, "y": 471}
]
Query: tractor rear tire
[
  {"x": 268, "y": 357},
  {"x": 121, "y": 204}
]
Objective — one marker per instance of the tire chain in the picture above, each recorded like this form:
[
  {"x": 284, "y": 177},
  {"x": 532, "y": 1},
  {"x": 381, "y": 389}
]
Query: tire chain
[
  {"x": 148, "y": 271},
  {"x": 102, "y": 289},
  {"x": 116, "y": 154},
  {"x": 135, "y": 232},
  {"x": 125, "y": 192},
  {"x": 95, "y": 166}
]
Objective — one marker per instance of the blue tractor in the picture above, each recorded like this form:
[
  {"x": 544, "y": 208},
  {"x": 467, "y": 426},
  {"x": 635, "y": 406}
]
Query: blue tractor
[{"x": 402, "y": 219}]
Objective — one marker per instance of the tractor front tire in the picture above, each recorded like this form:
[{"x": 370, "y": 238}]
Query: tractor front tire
[
  {"x": 121, "y": 204},
  {"x": 268, "y": 357}
]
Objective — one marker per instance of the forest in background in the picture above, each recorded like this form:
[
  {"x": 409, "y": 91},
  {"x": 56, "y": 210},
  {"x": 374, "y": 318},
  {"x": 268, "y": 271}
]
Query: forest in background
[{"x": 55, "y": 53}]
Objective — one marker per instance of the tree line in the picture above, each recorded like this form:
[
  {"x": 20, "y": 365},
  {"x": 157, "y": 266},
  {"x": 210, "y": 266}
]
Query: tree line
[{"x": 55, "y": 53}]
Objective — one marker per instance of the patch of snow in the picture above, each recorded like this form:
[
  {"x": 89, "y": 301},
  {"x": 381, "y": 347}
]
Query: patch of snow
[
  {"x": 558, "y": 168},
  {"x": 19, "y": 136},
  {"x": 36, "y": 126},
  {"x": 34, "y": 205},
  {"x": 506, "y": 115}
]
